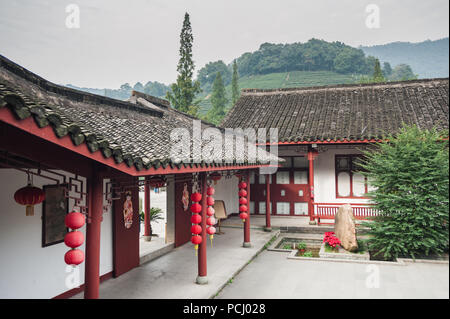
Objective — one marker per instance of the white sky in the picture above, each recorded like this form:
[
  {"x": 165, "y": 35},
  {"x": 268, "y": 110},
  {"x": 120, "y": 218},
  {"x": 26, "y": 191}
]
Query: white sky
[{"x": 138, "y": 40}]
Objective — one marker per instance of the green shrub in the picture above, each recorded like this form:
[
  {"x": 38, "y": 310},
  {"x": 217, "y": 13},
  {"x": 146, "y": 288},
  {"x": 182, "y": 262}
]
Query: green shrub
[
  {"x": 301, "y": 245},
  {"x": 410, "y": 176},
  {"x": 307, "y": 254}
]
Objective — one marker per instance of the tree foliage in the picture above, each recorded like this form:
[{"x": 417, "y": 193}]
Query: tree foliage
[
  {"x": 207, "y": 74},
  {"x": 409, "y": 174},
  {"x": 234, "y": 84},
  {"x": 402, "y": 72},
  {"x": 185, "y": 89},
  {"x": 314, "y": 55},
  {"x": 218, "y": 101}
]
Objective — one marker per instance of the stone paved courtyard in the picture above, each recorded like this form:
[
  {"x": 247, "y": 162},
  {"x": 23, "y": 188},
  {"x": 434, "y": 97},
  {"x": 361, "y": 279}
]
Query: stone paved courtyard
[{"x": 272, "y": 275}]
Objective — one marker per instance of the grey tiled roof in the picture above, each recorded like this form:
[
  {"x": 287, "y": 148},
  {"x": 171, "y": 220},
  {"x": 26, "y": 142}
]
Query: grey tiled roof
[
  {"x": 344, "y": 112},
  {"x": 133, "y": 133}
]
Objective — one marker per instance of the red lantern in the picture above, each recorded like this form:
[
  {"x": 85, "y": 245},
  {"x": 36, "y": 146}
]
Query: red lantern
[
  {"x": 243, "y": 208},
  {"x": 209, "y": 201},
  {"x": 243, "y": 216},
  {"x": 75, "y": 220},
  {"x": 243, "y": 201},
  {"x": 196, "y": 240},
  {"x": 196, "y": 219},
  {"x": 74, "y": 239},
  {"x": 196, "y": 197},
  {"x": 196, "y": 229},
  {"x": 74, "y": 257},
  {"x": 210, "y": 211},
  {"x": 210, "y": 221},
  {"x": 242, "y": 185},
  {"x": 211, "y": 230},
  {"x": 242, "y": 193},
  {"x": 29, "y": 196},
  {"x": 210, "y": 191},
  {"x": 196, "y": 208}
]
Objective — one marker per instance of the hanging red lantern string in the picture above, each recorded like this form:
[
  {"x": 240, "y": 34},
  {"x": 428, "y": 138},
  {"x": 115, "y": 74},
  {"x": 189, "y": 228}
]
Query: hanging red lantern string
[
  {"x": 73, "y": 239},
  {"x": 243, "y": 200},
  {"x": 196, "y": 219},
  {"x": 211, "y": 221}
]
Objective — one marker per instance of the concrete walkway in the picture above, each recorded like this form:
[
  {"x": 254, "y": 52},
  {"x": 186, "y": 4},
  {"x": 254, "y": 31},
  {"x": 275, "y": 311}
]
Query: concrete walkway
[
  {"x": 271, "y": 275},
  {"x": 173, "y": 275}
]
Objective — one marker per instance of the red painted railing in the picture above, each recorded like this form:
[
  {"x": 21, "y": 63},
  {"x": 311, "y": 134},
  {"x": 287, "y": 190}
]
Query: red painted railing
[{"x": 329, "y": 210}]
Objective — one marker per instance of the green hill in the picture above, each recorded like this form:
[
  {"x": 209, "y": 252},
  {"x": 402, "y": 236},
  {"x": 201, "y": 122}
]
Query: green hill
[{"x": 282, "y": 80}]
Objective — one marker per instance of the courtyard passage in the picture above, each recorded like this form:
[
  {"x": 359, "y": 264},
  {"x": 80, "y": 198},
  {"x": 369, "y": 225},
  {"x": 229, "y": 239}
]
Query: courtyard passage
[{"x": 271, "y": 275}]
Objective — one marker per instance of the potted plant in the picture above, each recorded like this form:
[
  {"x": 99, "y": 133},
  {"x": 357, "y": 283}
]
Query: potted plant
[{"x": 155, "y": 215}]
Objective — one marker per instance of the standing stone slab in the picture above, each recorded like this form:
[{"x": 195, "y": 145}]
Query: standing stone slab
[{"x": 345, "y": 229}]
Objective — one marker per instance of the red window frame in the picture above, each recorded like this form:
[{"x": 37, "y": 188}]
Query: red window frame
[{"x": 350, "y": 170}]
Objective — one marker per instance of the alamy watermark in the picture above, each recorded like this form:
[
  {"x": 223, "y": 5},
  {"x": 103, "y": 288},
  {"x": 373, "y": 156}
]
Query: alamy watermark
[
  {"x": 373, "y": 17},
  {"x": 73, "y": 17},
  {"x": 228, "y": 146}
]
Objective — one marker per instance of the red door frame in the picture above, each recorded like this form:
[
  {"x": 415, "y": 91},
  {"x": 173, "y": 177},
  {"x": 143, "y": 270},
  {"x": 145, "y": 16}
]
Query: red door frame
[{"x": 291, "y": 192}]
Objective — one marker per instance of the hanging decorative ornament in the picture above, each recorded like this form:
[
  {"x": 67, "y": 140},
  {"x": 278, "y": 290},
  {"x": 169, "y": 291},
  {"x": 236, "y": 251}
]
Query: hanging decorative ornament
[
  {"x": 243, "y": 216},
  {"x": 210, "y": 221},
  {"x": 74, "y": 257},
  {"x": 210, "y": 211},
  {"x": 196, "y": 208},
  {"x": 196, "y": 229},
  {"x": 209, "y": 201},
  {"x": 242, "y": 193},
  {"x": 196, "y": 197},
  {"x": 185, "y": 197},
  {"x": 211, "y": 231},
  {"x": 243, "y": 209},
  {"x": 128, "y": 210},
  {"x": 74, "y": 220},
  {"x": 74, "y": 239},
  {"x": 196, "y": 219},
  {"x": 210, "y": 191},
  {"x": 242, "y": 185},
  {"x": 196, "y": 240},
  {"x": 29, "y": 196}
]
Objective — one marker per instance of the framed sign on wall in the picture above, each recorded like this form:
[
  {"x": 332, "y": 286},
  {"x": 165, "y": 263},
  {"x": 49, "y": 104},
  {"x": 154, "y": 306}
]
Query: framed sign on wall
[{"x": 54, "y": 210}]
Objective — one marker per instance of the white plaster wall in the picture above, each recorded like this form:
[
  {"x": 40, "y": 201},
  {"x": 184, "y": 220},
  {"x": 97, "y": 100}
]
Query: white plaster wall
[
  {"x": 29, "y": 270},
  {"x": 324, "y": 177},
  {"x": 227, "y": 190}
]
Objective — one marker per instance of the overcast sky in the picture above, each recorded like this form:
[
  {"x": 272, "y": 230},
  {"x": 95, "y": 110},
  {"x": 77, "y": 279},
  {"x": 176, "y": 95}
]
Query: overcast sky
[{"x": 138, "y": 40}]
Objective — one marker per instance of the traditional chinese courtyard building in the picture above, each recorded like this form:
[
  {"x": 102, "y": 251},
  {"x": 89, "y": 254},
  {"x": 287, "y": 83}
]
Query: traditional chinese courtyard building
[
  {"x": 90, "y": 154},
  {"x": 321, "y": 132}
]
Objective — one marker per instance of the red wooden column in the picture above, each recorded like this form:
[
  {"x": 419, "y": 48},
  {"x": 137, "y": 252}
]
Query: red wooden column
[
  {"x": 95, "y": 211},
  {"x": 268, "y": 226},
  {"x": 202, "y": 277},
  {"x": 147, "y": 234},
  {"x": 311, "y": 155},
  {"x": 247, "y": 221}
]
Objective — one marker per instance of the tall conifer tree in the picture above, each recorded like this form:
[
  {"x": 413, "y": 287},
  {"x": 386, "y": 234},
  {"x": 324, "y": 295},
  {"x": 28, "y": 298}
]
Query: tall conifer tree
[{"x": 234, "y": 84}]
